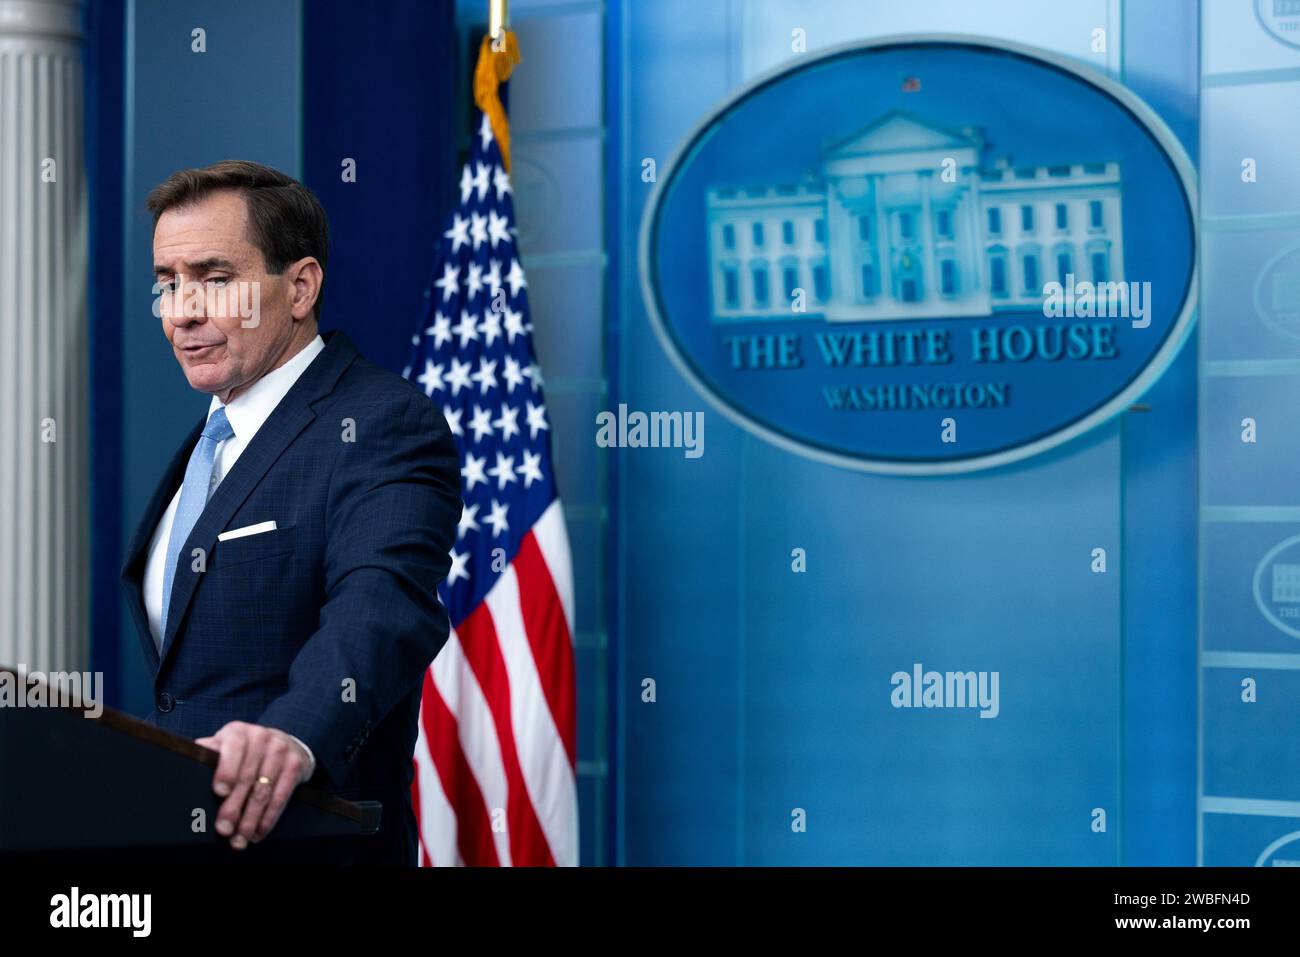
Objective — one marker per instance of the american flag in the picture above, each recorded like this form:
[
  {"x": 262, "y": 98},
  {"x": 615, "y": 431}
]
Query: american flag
[{"x": 495, "y": 761}]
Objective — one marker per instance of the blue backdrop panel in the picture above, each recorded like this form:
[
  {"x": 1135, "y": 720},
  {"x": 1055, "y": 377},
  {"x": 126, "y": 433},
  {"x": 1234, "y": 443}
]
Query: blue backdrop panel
[
  {"x": 105, "y": 83},
  {"x": 380, "y": 88},
  {"x": 773, "y": 687},
  {"x": 1250, "y": 531}
]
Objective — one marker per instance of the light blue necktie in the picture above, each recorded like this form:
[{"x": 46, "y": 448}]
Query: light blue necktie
[{"x": 195, "y": 490}]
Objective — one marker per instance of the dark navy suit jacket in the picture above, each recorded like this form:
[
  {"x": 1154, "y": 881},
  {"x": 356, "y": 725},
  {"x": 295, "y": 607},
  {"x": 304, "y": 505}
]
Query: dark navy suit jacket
[{"x": 323, "y": 627}]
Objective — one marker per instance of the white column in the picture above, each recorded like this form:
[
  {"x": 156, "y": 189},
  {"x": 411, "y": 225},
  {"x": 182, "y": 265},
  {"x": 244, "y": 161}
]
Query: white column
[
  {"x": 838, "y": 261},
  {"x": 973, "y": 270},
  {"x": 44, "y": 490},
  {"x": 884, "y": 248},
  {"x": 929, "y": 261}
]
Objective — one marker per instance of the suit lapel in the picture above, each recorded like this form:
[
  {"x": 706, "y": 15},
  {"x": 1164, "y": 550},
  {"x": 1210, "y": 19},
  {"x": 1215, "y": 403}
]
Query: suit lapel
[
  {"x": 278, "y": 432},
  {"x": 137, "y": 553}
]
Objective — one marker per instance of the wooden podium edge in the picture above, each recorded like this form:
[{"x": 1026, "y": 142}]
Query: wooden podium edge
[{"x": 366, "y": 814}]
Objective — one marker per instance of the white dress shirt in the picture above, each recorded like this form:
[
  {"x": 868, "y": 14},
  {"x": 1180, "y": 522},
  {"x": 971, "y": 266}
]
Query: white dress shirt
[{"x": 246, "y": 413}]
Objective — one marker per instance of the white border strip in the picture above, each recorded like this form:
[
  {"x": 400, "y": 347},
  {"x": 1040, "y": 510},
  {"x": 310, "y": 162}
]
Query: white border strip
[
  {"x": 1265, "y": 660},
  {"x": 1254, "y": 807}
]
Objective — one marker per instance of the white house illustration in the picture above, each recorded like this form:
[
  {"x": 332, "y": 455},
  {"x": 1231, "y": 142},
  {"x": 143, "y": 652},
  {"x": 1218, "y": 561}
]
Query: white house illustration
[{"x": 881, "y": 232}]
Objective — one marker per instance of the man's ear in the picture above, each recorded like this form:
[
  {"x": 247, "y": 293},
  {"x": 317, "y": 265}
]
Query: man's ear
[{"x": 305, "y": 278}]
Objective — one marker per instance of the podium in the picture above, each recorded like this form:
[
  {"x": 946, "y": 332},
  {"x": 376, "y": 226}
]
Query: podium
[{"x": 78, "y": 787}]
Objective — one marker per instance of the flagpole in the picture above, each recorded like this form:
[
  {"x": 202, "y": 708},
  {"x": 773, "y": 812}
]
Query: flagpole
[{"x": 498, "y": 17}]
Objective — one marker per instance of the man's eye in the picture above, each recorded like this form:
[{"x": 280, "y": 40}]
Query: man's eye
[
  {"x": 218, "y": 280},
  {"x": 167, "y": 285}
]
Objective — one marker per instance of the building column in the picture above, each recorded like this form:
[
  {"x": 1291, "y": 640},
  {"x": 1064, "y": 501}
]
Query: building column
[
  {"x": 974, "y": 268},
  {"x": 929, "y": 261},
  {"x": 838, "y": 263},
  {"x": 44, "y": 489},
  {"x": 884, "y": 249}
]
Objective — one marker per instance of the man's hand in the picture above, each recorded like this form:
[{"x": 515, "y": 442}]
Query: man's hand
[{"x": 257, "y": 772}]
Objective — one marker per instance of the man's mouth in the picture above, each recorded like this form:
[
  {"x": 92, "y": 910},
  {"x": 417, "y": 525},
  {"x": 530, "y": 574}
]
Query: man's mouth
[{"x": 197, "y": 349}]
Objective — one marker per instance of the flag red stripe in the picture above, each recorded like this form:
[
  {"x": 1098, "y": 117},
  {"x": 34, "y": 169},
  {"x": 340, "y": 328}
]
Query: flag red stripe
[
  {"x": 548, "y": 635},
  {"x": 478, "y": 638},
  {"x": 474, "y": 826},
  {"x": 415, "y": 801}
]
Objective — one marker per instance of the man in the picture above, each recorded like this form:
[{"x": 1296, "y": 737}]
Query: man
[{"x": 284, "y": 577}]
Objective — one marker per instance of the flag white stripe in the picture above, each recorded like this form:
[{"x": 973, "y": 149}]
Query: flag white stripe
[
  {"x": 464, "y": 697},
  {"x": 437, "y": 816},
  {"x": 553, "y": 541},
  {"x": 548, "y": 776}
]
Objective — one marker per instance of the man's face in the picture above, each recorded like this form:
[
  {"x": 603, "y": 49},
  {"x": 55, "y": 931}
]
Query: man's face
[{"x": 221, "y": 347}]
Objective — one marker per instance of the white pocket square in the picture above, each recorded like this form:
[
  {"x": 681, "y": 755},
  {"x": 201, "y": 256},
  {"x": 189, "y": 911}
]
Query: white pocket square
[{"x": 247, "y": 530}]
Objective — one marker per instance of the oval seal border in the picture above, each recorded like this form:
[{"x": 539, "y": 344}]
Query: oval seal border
[{"x": 1125, "y": 98}]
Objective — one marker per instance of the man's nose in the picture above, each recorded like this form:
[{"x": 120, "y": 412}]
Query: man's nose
[
  {"x": 187, "y": 304},
  {"x": 180, "y": 320}
]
